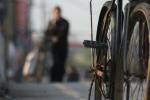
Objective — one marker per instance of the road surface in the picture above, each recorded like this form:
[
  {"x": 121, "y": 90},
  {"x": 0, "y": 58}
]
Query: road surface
[{"x": 55, "y": 91}]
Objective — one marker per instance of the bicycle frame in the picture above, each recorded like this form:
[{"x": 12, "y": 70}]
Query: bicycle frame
[
  {"x": 119, "y": 31},
  {"x": 119, "y": 19}
]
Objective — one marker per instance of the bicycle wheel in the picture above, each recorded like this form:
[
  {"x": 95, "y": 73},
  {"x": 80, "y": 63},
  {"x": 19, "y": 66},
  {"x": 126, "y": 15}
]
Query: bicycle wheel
[
  {"x": 104, "y": 56},
  {"x": 137, "y": 53}
]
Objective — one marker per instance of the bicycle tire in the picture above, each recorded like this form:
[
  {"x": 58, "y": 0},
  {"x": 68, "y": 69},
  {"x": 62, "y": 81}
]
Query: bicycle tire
[
  {"x": 101, "y": 36},
  {"x": 137, "y": 53}
]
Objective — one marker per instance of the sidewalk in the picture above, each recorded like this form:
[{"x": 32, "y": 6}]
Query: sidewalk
[{"x": 65, "y": 91}]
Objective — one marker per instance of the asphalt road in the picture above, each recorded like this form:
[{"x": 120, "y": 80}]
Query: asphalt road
[
  {"x": 64, "y": 91},
  {"x": 55, "y": 91}
]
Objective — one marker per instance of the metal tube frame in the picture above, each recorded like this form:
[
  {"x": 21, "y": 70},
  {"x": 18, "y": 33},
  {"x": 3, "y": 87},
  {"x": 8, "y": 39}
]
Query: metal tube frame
[{"x": 119, "y": 26}]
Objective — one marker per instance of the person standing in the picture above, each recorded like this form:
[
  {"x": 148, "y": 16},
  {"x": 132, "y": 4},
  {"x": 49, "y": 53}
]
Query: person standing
[{"x": 57, "y": 34}]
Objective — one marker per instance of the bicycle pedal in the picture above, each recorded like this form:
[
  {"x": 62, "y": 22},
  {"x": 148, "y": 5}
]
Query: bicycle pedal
[{"x": 94, "y": 44}]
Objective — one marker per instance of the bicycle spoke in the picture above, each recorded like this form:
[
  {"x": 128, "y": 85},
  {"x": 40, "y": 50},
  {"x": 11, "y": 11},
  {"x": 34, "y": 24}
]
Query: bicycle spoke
[{"x": 137, "y": 57}]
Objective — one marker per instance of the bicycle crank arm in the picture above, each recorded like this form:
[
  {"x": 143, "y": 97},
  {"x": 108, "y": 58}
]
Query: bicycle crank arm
[{"x": 94, "y": 44}]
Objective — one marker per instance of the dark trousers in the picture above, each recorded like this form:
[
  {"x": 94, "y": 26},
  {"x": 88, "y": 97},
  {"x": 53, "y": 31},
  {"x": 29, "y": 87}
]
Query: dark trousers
[{"x": 59, "y": 59}]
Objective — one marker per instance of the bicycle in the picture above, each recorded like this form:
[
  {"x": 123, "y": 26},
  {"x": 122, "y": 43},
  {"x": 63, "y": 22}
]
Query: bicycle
[
  {"x": 121, "y": 52},
  {"x": 36, "y": 63}
]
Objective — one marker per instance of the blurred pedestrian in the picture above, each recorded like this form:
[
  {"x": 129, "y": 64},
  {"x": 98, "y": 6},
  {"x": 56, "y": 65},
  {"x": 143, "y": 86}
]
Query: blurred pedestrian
[{"x": 57, "y": 34}]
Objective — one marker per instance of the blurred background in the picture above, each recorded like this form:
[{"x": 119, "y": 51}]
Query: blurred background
[
  {"x": 23, "y": 23},
  {"x": 22, "y": 27}
]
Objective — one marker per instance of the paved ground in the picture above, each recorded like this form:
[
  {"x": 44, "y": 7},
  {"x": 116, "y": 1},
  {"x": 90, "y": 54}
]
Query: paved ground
[
  {"x": 65, "y": 91},
  {"x": 57, "y": 91}
]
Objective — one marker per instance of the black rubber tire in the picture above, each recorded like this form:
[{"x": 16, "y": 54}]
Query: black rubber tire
[{"x": 99, "y": 37}]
